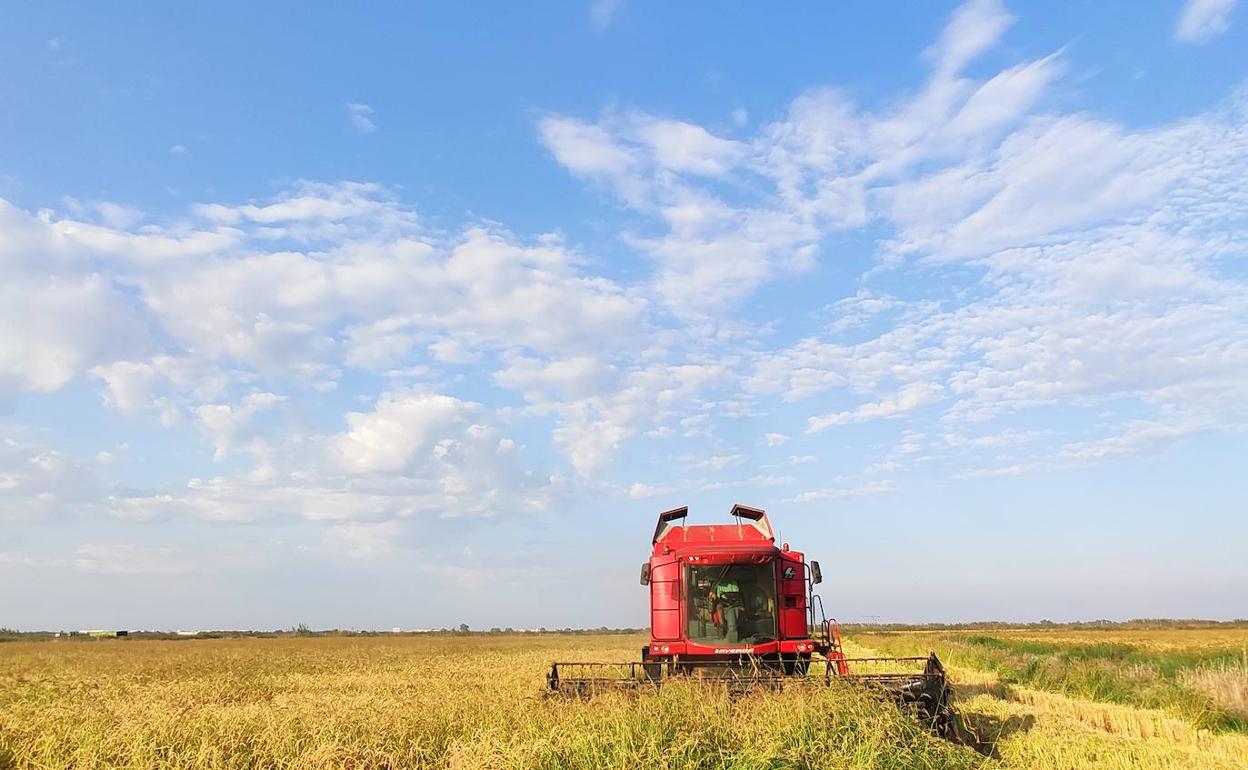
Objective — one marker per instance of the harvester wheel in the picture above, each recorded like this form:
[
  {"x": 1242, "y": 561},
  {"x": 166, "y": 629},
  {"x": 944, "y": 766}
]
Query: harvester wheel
[
  {"x": 949, "y": 726},
  {"x": 797, "y": 667},
  {"x": 652, "y": 671}
]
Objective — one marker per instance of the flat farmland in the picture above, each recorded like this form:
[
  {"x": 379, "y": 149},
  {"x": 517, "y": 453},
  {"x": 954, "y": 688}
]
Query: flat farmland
[
  {"x": 1119, "y": 697},
  {"x": 1060, "y": 699}
]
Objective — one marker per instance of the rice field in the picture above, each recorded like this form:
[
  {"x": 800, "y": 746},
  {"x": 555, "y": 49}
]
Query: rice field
[
  {"x": 1116, "y": 698},
  {"x": 478, "y": 702}
]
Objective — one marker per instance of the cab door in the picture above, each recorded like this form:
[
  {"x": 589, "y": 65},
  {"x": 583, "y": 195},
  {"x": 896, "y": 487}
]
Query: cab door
[
  {"x": 665, "y": 604},
  {"x": 792, "y": 596}
]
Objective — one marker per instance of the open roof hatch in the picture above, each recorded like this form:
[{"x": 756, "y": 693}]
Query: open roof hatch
[
  {"x": 665, "y": 521},
  {"x": 758, "y": 519}
]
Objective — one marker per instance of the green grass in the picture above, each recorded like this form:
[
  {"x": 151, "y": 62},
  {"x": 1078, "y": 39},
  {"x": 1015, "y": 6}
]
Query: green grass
[{"x": 1108, "y": 671}]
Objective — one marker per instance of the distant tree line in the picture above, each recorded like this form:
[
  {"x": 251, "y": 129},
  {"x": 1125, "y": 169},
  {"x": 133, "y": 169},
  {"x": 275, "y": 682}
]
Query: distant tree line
[
  {"x": 302, "y": 630},
  {"x": 1001, "y": 625},
  {"x": 463, "y": 629}
]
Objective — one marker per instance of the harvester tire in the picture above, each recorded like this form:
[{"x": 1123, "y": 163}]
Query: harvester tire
[{"x": 797, "y": 667}]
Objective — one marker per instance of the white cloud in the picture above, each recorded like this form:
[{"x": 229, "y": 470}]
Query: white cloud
[
  {"x": 178, "y": 149},
  {"x": 584, "y": 148},
  {"x": 568, "y": 379},
  {"x": 224, "y": 424},
  {"x": 452, "y": 351},
  {"x": 908, "y": 398},
  {"x": 719, "y": 462},
  {"x": 601, "y": 156},
  {"x": 846, "y": 493},
  {"x": 368, "y": 289},
  {"x": 362, "y": 539},
  {"x": 886, "y": 465},
  {"x": 58, "y": 317},
  {"x": 712, "y": 252},
  {"x": 129, "y": 559},
  {"x": 165, "y": 384},
  {"x": 106, "y": 213},
  {"x": 601, "y": 12},
  {"x": 57, "y": 328},
  {"x": 775, "y": 439},
  {"x": 403, "y": 429},
  {"x": 591, "y": 429},
  {"x": 1071, "y": 303},
  {"x": 1003, "y": 98},
  {"x": 855, "y": 311},
  {"x": 685, "y": 147},
  {"x": 377, "y": 291},
  {"x": 414, "y": 454},
  {"x": 361, "y": 116},
  {"x": 1137, "y": 436},
  {"x": 588, "y": 438},
  {"x": 639, "y": 491},
  {"x": 1202, "y": 20},
  {"x": 974, "y": 28},
  {"x": 15, "y": 559},
  {"x": 38, "y": 481},
  {"x": 503, "y": 294},
  {"x": 1051, "y": 177},
  {"x": 826, "y": 160},
  {"x": 1005, "y": 438}
]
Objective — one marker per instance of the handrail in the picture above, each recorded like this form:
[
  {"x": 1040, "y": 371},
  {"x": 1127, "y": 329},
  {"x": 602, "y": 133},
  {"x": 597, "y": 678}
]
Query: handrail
[{"x": 816, "y": 599}]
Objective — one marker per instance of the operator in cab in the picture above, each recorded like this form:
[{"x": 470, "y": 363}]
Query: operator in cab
[{"x": 729, "y": 607}]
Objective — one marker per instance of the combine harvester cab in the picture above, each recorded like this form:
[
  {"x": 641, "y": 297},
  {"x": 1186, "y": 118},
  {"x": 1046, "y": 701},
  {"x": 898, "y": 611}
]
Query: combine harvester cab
[{"x": 727, "y": 604}]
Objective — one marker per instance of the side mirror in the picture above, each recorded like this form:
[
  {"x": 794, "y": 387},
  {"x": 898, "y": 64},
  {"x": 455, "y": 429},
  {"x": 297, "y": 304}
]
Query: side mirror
[
  {"x": 645, "y": 574},
  {"x": 816, "y": 577}
]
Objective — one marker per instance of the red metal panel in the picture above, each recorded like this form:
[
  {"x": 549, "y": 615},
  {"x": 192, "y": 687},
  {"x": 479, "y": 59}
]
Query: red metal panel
[
  {"x": 730, "y": 553},
  {"x": 792, "y": 596},
  {"x": 665, "y": 604}
]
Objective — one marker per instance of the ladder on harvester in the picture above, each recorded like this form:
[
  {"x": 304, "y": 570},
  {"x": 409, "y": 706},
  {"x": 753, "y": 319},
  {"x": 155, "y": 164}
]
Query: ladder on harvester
[
  {"x": 830, "y": 635},
  {"x": 836, "y": 652}
]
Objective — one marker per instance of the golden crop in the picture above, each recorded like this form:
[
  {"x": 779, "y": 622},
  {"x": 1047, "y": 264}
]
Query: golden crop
[
  {"x": 478, "y": 702},
  {"x": 411, "y": 702}
]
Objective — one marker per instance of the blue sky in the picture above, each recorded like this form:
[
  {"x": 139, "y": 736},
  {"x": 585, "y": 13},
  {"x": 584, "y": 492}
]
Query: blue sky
[{"x": 413, "y": 316}]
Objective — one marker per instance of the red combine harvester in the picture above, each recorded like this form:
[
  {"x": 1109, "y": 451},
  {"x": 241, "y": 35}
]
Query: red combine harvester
[{"x": 728, "y": 604}]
